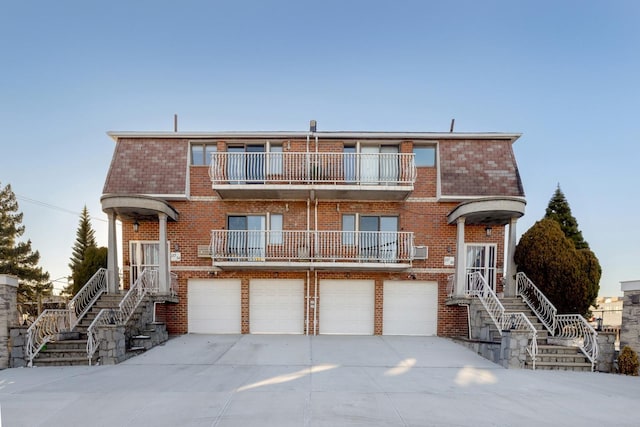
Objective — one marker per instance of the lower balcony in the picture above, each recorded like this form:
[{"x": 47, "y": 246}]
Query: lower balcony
[{"x": 320, "y": 250}]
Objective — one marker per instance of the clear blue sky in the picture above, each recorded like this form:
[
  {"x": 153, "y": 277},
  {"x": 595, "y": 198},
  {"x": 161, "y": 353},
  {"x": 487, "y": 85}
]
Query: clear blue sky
[{"x": 565, "y": 74}]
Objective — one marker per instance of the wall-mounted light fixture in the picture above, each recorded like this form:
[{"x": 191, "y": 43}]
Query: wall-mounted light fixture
[
  {"x": 488, "y": 231},
  {"x": 136, "y": 226},
  {"x": 176, "y": 247}
]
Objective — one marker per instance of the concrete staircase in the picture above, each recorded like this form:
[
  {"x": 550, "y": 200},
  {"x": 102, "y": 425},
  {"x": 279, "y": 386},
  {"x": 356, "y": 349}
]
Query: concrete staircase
[
  {"x": 70, "y": 349},
  {"x": 550, "y": 356}
]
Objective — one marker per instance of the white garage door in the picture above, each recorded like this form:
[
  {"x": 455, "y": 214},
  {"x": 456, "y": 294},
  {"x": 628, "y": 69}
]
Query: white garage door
[
  {"x": 214, "y": 306},
  {"x": 410, "y": 308},
  {"x": 276, "y": 306},
  {"x": 347, "y": 307}
]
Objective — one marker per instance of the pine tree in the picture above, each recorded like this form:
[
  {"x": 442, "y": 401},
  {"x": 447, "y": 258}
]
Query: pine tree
[
  {"x": 560, "y": 211},
  {"x": 17, "y": 258},
  {"x": 85, "y": 239}
]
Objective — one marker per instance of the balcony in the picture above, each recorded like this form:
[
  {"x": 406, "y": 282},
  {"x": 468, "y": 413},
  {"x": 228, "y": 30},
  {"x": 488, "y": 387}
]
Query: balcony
[
  {"x": 321, "y": 250},
  {"x": 296, "y": 175}
]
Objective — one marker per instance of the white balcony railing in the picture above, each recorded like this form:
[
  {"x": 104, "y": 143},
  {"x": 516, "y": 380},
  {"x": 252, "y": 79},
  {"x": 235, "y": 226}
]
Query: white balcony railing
[
  {"x": 307, "y": 246},
  {"x": 313, "y": 168}
]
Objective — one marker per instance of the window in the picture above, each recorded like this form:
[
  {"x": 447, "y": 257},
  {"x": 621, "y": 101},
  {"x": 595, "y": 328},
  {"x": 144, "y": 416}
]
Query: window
[
  {"x": 143, "y": 255},
  {"x": 377, "y": 236},
  {"x": 425, "y": 156},
  {"x": 348, "y": 229},
  {"x": 201, "y": 154},
  {"x": 371, "y": 164},
  {"x": 275, "y": 159},
  {"x": 275, "y": 229}
]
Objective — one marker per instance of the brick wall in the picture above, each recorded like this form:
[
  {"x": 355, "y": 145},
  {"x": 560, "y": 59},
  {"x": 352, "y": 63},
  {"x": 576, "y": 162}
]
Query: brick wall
[{"x": 420, "y": 214}]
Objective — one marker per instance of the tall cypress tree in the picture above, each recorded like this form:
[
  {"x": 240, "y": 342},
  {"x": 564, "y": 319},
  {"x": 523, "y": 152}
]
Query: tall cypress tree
[
  {"x": 17, "y": 258},
  {"x": 85, "y": 239},
  {"x": 560, "y": 211}
]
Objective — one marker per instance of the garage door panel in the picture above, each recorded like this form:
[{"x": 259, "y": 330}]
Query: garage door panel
[
  {"x": 347, "y": 307},
  {"x": 214, "y": 306},
  {"x": 410, "y": 308},
  {"x": 276, "y": 306}
]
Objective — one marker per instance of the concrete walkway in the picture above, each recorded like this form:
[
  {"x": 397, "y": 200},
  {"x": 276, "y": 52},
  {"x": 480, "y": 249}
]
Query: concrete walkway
[{"x": 258, "y": 380}]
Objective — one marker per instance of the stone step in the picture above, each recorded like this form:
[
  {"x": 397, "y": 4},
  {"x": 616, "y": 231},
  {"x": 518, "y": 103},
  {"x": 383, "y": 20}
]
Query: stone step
[
  {"x": 557, "y": 349},
  {"x": 561, "y": 358},
  {"x": 71, "y": 361},
  {"x": 557, "y": 366},
  {"x": 67, "y": 345}
]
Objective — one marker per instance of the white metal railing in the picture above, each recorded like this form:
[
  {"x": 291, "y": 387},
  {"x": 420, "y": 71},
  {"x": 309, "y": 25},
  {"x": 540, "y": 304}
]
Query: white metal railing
[
  {"x": 173, "y": 288},
  {"x": 46, "y": 327},
  {"x": 311, "y": 167},
  {"x": 87, "y": 296},
  {"x": 573, "y": 327},
  {"x": 451, "y": 281},
  {"x": 311, "y": 246},
  {"x": 519, "y": 321},
  {"x": 50, "y": 323},
  {"x": 478, "y": 286},
  {"x": 147, "y": 283},
  {"x": 537, "y": 301}
]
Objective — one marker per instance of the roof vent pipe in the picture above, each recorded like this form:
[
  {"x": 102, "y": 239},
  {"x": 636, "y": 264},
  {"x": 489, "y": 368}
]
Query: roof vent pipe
[
  {"x": 453, "y": 122},
  {"x": 313, "y": 126},
  {"x": 175, "y": 123}
]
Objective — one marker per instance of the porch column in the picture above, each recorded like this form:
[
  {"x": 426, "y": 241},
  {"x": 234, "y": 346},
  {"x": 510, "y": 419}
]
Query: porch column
[
  {"x": 113, "y": 278},
  {"x": 510, "y": 284},
  {"x": 461, "y": 261},
  {"x": 163, "y": 274}
]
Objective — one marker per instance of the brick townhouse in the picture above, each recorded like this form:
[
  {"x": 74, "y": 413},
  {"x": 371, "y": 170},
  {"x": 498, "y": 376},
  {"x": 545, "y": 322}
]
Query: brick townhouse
[{"x": 314, "y": 232}]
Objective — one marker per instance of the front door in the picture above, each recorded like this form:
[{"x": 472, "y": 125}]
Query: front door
[
  {"x": 482, "y": 258},
  {"x": 143, "y": 255}
]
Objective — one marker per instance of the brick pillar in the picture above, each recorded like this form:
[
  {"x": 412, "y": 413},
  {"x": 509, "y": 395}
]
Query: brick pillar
[
  {"x": 8, "y": 315},
  {"x": 244, "y": 306}
]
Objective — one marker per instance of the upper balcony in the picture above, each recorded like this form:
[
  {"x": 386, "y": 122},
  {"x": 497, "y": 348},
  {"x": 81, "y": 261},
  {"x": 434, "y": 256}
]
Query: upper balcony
[
  {"x": 300, "y": 175},
  {"x": 321, "y": 250}
]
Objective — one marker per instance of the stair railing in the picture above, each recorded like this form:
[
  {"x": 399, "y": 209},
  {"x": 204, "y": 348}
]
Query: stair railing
[
  {"x": 572, "y": 327},
  {"x": 537, "y": 302},
  {"x": 46, "y": 327},
  {"x": 478, "y": 286},
  {"x": 147, "y": 283},
  {"x": 50, "y": 323},
  {"x": 87, "y": 296}
]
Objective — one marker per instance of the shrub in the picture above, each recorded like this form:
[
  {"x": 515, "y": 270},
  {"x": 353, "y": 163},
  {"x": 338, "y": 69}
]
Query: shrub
[{"x": 628, "y": 361}]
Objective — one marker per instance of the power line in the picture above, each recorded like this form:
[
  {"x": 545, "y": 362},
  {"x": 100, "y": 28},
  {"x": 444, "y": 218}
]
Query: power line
[{"x": 54, "y": 207}]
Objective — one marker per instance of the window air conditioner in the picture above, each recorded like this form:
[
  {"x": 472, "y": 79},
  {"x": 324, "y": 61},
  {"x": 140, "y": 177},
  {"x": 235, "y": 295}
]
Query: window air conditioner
[{"x": 420, "y": 252}]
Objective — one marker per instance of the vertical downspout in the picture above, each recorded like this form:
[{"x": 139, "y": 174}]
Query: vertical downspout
[{"x": 308, "y": 298}]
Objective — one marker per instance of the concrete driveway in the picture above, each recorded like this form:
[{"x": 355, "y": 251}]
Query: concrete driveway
[{"x": 251, "y": 380}]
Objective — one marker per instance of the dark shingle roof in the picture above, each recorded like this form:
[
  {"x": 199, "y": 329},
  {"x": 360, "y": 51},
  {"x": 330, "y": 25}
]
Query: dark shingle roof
[
  {"x": 479, "y": 168},
  {"x": 148, "y": 166}
]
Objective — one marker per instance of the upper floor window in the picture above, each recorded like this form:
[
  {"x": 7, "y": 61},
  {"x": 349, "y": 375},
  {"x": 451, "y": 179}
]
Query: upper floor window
[
  {"x": 201, "y": 154},
  {"x": 425, "y": 156}
]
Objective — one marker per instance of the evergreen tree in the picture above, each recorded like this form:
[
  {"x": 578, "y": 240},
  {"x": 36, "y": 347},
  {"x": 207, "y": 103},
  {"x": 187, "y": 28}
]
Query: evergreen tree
[
  {"x": 85, "y": 239},
  {"x": 17, "y": 258},
  {"x": 95, "y": 258},
  {"x": 560, "y": 211},
  {"x": 555, "y": 266}
]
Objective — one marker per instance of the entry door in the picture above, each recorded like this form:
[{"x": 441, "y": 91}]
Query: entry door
[
  {"x": 247, "y": 237},
  {"x": 143, "y": 255},
  {"x": 379, "y": 165},
  {"x": 482, "y": 259},
  {"x": 379, "y": 238}
]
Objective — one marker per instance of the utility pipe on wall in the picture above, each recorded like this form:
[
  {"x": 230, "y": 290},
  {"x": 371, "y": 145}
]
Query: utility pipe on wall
[{"x": 315, "y": 304}]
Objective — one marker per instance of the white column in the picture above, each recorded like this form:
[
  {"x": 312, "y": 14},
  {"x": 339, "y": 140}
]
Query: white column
[
  {"x": 461, "y": 261},
  {"x": 163, "y": 274},
  {"x": 510, "y": 283},
  {"x": 113, "y": 277}
]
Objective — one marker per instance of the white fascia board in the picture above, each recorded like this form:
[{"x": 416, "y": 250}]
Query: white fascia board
[{"x": 429, "y": 136}]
